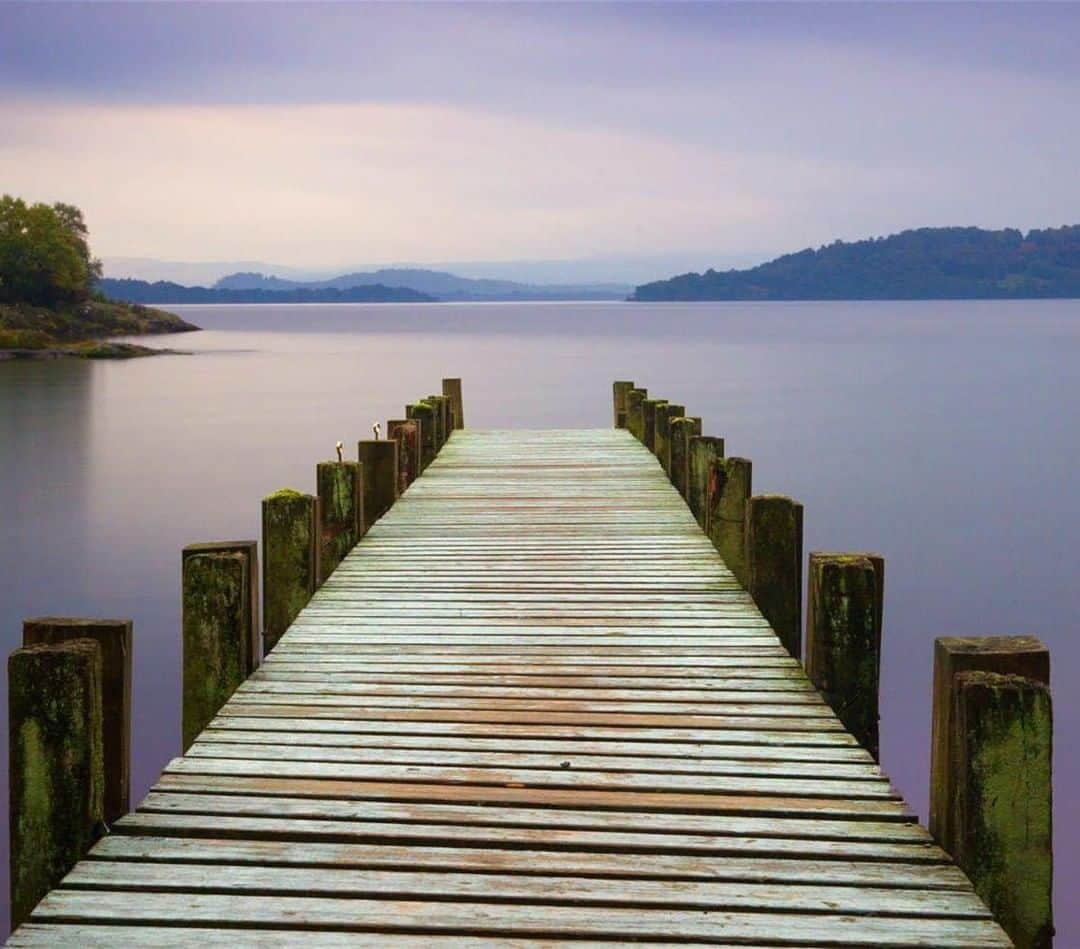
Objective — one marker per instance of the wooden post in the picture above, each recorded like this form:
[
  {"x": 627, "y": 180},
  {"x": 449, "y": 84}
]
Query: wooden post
[
  {"x": 451, "y": 388},
  {"x": 406, "y": 432},
  {"x": 56, "y": 765},
  {"x": 219, "y": 619},
  {"x": 1006, "y": 655},
  {"x": 682, "y": 430},
  {"x": 662, "y": 435},
  {"x": 729, "y": 489},
  {"x": 340, "y": 489},
  {"x": 635, "y": 418},
  {"x": 774, "y": 549},
  {"x": 443, "y": 419},
  {"x": 1002, "y": 736},
  {"x": 649, "y": 409},
  {"x": 703, "y": 452},
  {"x": 380, "y": 463},
  {"x": 620, "y": 391},
  {"x": 113, "y": 637},
  {"x": 843, "y": 638},
  {"x": 290, "y": 522},
  {"x": 424, "y": 413}
]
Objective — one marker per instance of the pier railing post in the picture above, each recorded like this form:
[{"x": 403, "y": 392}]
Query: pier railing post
[
  {"x": 662, "y": 435},
  {"x": 682, "y": 430},
  {"x": 650, "y": 408},
  {"x": 635, "y": 412},
  {"x": 451, "y": 388},
  {"x": 56, "y": 765},
  {"x": 113, "y": 637},
  {"x": 990, "y": 775},
  {"x": 340, "y": 489},
  {"x": 729, "y": 489},
  {"x": 774, "y": 548},
  {"x": 619, "y": 393},
  {"x": 219, "y": 619},
  {"x": 441, "y": 407},
  {"x": 843, "y": 638},
  {"x": 703, "y": 451},
  {"x": 424, "y": 413},
  {"x": 406, "y": 432},
  {"x": 379, "y": 459},
  {"x": 290, "y": 522}
]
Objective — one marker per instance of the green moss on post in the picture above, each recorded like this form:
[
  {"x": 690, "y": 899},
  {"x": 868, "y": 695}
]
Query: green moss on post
[
  {"x": 649, "y": 409},
  {"x": 441, "y": 406},
  {"x": 451, "y": 388},
  {"x": 619, "y": 393},
  {"x": 774, "y": 548},
  {"x": 1003, "y": 735},
  {"x": 424, "y": 413},
  {"x": 290, "y": 559},
  {"x": 380, "y": 463},
  {"x": 340, "y": 486},
  {"x": 56, "y": 766},
  {"x": 703, "y": 452},
  {"x": 662, "y": 435},
  {"x": 843, "y": 638},
  {"x": 635, "y": 418},
  {"x": 113, "y": 637},
  {"x": 406, "y": 432},
  {"x": 682, "y": 430},
  {"x": 1023, "y": 656},
  {"x": 214, "y": 619},
  {"x": 730, "y": 486}
]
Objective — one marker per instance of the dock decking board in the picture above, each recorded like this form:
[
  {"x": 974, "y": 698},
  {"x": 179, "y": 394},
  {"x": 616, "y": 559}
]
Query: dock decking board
[{"x": 531, "y": 706}]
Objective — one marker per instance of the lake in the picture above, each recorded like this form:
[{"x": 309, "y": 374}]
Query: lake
[{"x": 945, "y": 435}]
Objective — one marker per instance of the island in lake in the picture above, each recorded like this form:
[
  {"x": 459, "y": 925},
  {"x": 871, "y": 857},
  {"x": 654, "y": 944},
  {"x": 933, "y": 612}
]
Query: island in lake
[
  {"x": 943, "y": 263},
  {"x": 49, "y": 305}
]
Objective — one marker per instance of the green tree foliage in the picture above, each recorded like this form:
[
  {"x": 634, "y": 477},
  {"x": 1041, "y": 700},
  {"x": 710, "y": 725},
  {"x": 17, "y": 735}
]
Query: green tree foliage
[{"x": 45, "y": 259}]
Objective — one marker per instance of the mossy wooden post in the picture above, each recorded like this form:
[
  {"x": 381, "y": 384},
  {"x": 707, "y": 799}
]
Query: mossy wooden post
[
  {"x": 219, "y": 619},
  {"x": 451, "y": 388},
  {"x": 662, "y": 435},
  {"x": 774, "y": 550},
  {"x": 406, "y": 432},
  {"x": 340, "y": 489},
  {"x": 290, "y": 522},
  {"x": 682, "y": 430},
  {"x": 703, "y": 451},
  {"x": 619, "y": 392},
  {"x": 730, "y": 486},
  {"x": 1002, "y": 736},
  {"x": 635, "y": 418},
  {"x": 379, "y": 460},
  {"x": 843, "y": 638},
  {"x": 424, "y": 413},
  {"x": 113, "y": 637},
  {"x": 1022, "y": 656},
  {"x": 649, "y": 409},
  {"x": 441, "y": 406},
  {"x": 56, "y": 775}
]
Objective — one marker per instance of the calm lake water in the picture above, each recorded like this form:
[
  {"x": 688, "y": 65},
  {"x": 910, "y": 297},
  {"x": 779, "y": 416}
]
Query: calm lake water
[{"x": 944, "y": 435}]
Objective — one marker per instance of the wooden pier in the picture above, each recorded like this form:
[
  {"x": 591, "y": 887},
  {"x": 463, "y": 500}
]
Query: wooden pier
[{"x": 531, "y": 705}]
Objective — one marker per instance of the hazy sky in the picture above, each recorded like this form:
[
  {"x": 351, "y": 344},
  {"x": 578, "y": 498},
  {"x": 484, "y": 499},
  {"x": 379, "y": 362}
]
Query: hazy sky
[{"x": 340, "y": 134}]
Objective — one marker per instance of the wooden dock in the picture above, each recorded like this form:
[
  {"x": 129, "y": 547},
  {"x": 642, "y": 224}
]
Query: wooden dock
[{"x": 531, "y": 705}]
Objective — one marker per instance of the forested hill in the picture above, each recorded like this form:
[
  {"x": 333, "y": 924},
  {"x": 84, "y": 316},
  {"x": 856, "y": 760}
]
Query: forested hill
[
  {"x": 165, "y": 292},
  {"x": 924, "y": 264}
]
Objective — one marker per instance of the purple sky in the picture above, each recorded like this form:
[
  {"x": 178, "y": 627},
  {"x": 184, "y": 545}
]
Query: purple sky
[{"x": 645, "y": 138}]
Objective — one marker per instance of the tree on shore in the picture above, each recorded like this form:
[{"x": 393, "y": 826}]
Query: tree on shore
[{"x": 45, "y": 258}]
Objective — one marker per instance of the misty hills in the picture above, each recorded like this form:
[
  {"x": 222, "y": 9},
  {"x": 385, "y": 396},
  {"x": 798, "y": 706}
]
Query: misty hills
[
  {"x": 923, "y": 264},
  {"x": 166, "y": 292},
  {"x": 435, "y": 283}
]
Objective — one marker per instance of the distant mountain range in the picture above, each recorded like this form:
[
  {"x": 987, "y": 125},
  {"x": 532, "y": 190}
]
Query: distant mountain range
[
  {"x": 163, "y": 292},
  {"x": 924, "y": 264},
  {"x": 380, "y": 286},
  {"x": 435, "y": 283}
]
